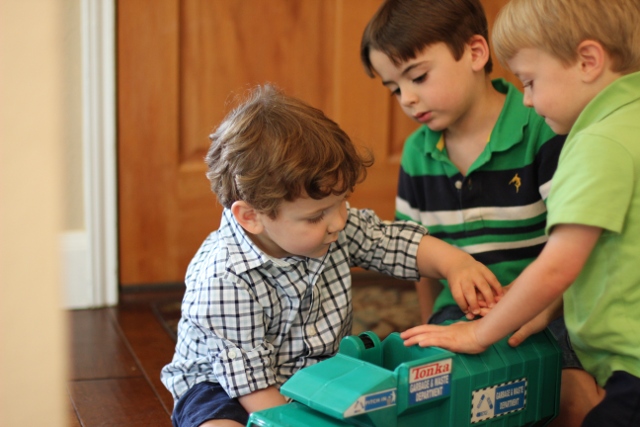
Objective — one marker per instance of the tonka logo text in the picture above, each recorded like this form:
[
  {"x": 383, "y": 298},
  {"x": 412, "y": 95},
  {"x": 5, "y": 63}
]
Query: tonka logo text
[{"x": 431, "y": 370}]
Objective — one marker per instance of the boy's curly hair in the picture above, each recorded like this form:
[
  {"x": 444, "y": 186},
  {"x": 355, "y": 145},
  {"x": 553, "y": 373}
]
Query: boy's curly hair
[
  {"x": 401, "y": 29},
  {"x": 273, "y": 147}
]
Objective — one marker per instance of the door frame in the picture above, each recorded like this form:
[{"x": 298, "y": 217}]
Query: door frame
[{"x": 98, "y": 34}]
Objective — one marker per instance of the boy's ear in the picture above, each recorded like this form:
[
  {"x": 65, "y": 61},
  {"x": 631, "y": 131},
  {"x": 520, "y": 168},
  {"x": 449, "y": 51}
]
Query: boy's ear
[
  {"x": 247, "y": 217},
  {"x": 480, "y": 52},
  {"x": 592, "y": 60}
]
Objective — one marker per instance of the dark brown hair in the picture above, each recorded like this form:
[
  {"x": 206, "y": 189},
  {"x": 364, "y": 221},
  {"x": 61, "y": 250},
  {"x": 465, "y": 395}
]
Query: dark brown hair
[
  {"x": 401, "y": 29},
  {"x": 273, "y": 147}
]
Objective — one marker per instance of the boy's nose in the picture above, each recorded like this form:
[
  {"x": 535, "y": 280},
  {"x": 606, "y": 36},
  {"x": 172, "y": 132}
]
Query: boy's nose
[
  {"x": 408, "y": 98},
  {"x": 338, "y": 221},
  {"x": 527, "y": 100}
]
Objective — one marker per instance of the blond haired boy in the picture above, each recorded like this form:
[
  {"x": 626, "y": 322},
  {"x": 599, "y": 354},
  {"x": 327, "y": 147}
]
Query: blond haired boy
[
  {"x": 269, "y": 292},
  {"x": 579, "y": 61}
]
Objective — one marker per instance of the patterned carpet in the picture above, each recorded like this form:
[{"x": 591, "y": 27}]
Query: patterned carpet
[{"x": 381, "y": 304}]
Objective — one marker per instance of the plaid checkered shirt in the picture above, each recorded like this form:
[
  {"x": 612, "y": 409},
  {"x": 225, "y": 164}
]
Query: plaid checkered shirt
[{"x": 250, "y": 321}]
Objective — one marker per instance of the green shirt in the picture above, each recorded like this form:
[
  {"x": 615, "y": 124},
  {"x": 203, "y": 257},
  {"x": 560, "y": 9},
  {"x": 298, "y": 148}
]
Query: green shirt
[
  {"x": 598, "y": 184},
  {"x": 497, "y": 212}
]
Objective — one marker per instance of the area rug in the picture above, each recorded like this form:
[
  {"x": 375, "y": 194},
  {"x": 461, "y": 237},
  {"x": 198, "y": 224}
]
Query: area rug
[{"x": 381, "y": 304}]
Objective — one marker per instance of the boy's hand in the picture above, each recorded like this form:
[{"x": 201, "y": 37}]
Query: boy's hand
[
  {"x": 474, "y": 287},
  {"x": 458, "y": 337},
  {"x": 537, "y": 324},
  {"x": 484, "y": 307},
  {"x": 466, "y": 276}
]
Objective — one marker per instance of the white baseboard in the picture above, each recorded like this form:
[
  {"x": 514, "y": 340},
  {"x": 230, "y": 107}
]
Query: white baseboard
[{"x": 78, "y": 291}]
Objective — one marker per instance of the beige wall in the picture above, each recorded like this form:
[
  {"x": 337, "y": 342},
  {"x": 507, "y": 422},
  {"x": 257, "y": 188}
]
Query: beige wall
[
  {"x": 39, "y": 163},
  {"x": 72, "y": 178}
]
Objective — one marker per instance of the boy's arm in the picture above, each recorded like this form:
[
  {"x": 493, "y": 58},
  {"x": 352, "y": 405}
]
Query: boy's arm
[
  {"x": 539, "y": 285},
  {"x": 262, "y": 399},
  {"x": 427, "y": 290},
  {"x": 437, "y": 259}
]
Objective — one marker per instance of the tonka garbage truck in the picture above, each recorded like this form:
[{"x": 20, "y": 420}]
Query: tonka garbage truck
[{"x": 370, "y": 383}]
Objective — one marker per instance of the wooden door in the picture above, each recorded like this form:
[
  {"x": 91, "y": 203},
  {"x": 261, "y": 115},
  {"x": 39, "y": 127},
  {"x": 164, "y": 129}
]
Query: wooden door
[{"x": 179, "y": 62}]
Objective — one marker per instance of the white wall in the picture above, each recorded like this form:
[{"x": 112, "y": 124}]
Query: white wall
[{"x": 33, "y": 128}]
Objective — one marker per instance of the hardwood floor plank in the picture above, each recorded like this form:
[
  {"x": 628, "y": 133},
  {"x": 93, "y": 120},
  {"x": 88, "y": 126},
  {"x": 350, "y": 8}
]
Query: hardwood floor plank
[
  {"x": 72, "y": 416},
  {"x": 97, "y": 347},
  {"x": 151, "y": 344},
  {"x": 118, "y": 402}
]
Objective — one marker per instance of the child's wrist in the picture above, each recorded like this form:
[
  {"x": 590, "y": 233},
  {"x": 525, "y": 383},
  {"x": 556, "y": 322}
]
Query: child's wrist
[{"x": 481, "y": 338}]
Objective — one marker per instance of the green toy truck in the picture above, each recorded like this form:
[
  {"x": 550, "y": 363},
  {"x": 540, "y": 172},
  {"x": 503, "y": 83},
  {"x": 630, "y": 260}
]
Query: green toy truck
[{"x": 385, "y": 384}]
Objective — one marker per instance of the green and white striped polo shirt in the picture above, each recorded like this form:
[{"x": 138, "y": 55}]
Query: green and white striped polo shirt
[{"x": 497, "y": 213}]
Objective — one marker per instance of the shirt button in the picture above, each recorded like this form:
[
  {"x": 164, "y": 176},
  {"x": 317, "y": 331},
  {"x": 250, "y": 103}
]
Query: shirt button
[
  {"x": 311, "y": 330},
  {"x": 458, "y": 184},
  {"x": 231, "y": 354}
]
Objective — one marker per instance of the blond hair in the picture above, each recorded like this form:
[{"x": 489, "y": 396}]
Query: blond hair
[
  {"x": 273, "y": 147},
  {"x": 559, "y": 26}
]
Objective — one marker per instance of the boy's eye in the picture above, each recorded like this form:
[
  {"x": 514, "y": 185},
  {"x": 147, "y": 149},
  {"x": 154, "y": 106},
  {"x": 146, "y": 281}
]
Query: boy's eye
[
  {"x": 316, "y": 219},
  {"x": 395, "y": 92},
  {"x": 420, "y": 78},
  {"x": 528, "y": 84}
]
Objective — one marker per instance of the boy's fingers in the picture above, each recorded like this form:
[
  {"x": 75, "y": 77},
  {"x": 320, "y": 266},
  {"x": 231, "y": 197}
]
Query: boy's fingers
[
  {"x": 495, "y": 284},
  {"x": 515, "y": 339},
  {"x": 520, "y": 335},
  {"x": 533, "y": 326},
  {"x": 458, "y": 337},
  {"x": 470, "y": 296},
  {"x": 460, "y": 299},
  {"x": 492, "y": 282},
  {"x": 427, "y": 338},
  {"x": 413, "y": 335},
  {"x": 485, "y": 293},
  {"x": 484, "y": 312}
]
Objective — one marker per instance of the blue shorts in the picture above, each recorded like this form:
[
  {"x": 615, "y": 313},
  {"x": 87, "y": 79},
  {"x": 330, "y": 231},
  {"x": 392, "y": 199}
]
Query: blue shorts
[
  {"x": 557, "y": 328},
  {"x": 620, "y": 406},
  {"x": 204, "y": 402}
]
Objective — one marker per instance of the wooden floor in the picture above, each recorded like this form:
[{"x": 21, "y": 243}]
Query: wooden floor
[{"x": 116, "y": 357}]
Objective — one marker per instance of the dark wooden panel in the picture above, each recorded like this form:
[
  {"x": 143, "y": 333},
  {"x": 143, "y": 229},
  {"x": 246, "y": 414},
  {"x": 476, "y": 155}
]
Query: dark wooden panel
[
  {"x": 118, "y": 402},
  {"x": 97, "y": 347},
  {"x": 147, "y": 39},
  {"x": 180, "y": 62}
]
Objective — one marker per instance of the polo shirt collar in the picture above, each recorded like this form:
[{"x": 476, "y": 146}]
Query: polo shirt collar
[
  {"x": 507, "y": 132},
  {"x": 621, "y": 92},
  {"x": 514, "y": 117}
]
